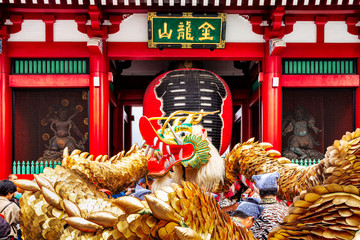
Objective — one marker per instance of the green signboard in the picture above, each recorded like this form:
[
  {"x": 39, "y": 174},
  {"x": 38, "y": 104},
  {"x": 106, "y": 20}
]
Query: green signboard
[{"x": 186, "y": 30}]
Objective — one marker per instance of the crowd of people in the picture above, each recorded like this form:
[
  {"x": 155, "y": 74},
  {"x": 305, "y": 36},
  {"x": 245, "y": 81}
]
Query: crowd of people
[
  {"x": 260, "y": 212},
  {"x": 258, "y": 209}
]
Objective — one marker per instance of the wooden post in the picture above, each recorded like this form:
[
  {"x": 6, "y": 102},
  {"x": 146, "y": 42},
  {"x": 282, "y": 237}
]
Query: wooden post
[
  {"x": 99, "y": 98},
  {"x": 5, "y": 109},
  {"x": 272, "y": 99}
]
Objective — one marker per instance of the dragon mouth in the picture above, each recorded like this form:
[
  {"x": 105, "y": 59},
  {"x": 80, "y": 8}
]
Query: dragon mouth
[{"x": 164, "y": 153}]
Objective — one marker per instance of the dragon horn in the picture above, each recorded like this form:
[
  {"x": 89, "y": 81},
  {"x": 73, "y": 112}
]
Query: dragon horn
[{"x": 179, "y": 141}]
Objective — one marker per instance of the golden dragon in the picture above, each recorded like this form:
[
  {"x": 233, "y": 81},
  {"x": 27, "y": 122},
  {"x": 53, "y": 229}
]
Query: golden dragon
[{"x": 64, "y": 203}]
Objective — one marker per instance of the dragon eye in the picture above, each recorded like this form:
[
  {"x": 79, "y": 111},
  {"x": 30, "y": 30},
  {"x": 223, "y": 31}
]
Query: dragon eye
[{"x": 182, "y": 133}]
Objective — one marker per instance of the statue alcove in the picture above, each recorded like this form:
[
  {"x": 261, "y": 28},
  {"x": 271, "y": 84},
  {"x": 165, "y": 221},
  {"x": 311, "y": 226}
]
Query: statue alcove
[
  {"x": 35, "y": 130},
  {"x": 330, "y": 111}
]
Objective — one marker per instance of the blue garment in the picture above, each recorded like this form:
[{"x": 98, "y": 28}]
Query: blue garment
[
  {"x": 140, "y": 192},
  {"x": 121, "y": 194},
  {"x": 250, "y": 209},
  {"x": 266, "y": 181}
]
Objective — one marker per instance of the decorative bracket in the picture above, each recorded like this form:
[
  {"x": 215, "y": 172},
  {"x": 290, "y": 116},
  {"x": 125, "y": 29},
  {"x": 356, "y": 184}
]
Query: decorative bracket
[
  {"x": 96, "y": 27},
  {"x": 320, "y": 22},
  {"x": 6, "y": 30},
  {"x": 276, "y": 29},
  {"x": 351, "y": 22},
  {"x": 17, "y": 20},
  {"x": 115, "y": 22},
  {"x": 255, "y": 22},
  {"x": 276, "y": 18},
  {"x": 95, "y": 17},
  {"x": 49, "y": 21}
]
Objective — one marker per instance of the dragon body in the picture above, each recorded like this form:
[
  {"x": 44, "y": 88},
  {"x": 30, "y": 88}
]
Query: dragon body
[
  {"x": 61, "y": 206},
  {"x": 64, "y": 203}
]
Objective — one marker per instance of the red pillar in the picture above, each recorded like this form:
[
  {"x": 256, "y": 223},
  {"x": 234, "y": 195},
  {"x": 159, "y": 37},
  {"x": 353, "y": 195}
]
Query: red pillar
[
  {"x": 5, "y": 110},
  {"x": 272, "y": 99},
  {"x": 357, "y": 100},
  {"x": 99, "y": 99}
]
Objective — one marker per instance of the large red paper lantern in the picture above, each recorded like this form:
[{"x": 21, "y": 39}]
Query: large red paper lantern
[{"x": 193, "y": 90}]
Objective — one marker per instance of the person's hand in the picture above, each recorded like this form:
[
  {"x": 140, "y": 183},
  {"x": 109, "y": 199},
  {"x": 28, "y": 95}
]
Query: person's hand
[{"x": 129, "y": 191}]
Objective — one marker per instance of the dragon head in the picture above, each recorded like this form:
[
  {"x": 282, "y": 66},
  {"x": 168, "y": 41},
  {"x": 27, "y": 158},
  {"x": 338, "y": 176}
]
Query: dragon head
[{"x": 179, "y": 141}]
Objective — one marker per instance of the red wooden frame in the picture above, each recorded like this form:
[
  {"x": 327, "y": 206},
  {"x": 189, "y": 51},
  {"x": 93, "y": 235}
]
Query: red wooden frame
[
  {"x": 321, "y": 50},
  {"x": 320, "y": 81},
  {"x": 48, "y": 50},
  {"x": 49, "y": 81},
  {"x": 135, "y": 51},
  {"x": 140, "y": 51}
]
